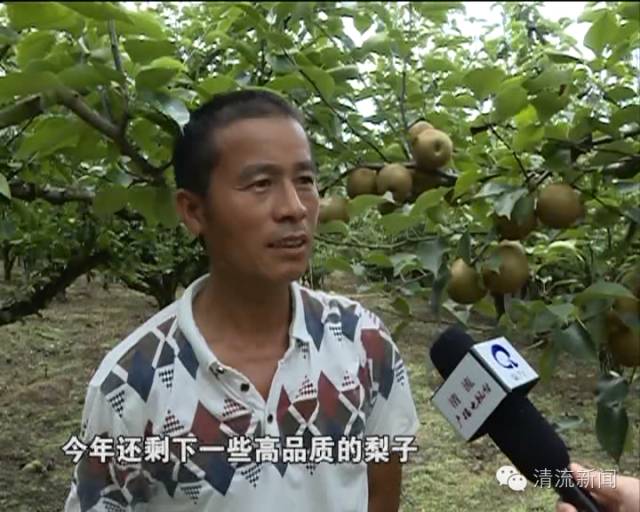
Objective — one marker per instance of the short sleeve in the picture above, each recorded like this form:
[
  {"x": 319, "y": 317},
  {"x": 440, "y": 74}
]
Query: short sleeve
[
  {"x": 96, "y": 485},
  {"x": 392, "y": 411}
]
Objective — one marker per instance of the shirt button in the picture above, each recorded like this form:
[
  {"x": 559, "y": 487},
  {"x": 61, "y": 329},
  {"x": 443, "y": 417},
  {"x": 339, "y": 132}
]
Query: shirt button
[
  {"x": 270, "y": 418},
  {"x": 244, "y": 387}
]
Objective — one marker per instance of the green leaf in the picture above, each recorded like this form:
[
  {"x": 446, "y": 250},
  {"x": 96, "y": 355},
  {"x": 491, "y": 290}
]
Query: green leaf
[
  {"x": 4, "y": 187},
  {"x": 401, "y": 305},
  {"x": 466, "y": 180},
  {"x": 548, "y": 103},
  {"x": 562, "y": 58},
  {"x": 101, "y": 11},
  {"x": 428, "y": 199},
  {"x": 156, "y": 204},
  {"x": 505, "y": 203},
  {"x": 401, "y": 261},
  {"x": 334, "y": 226},
  {"x": 154, "y": 78},
  {"x": 549, "y": 78},
  {"x": 142, "y": 23},
  {"x": 612, "y": 424},
  {"x": 575, "y": 340},
  {"x": 464, "y": 247},
  {"x": 322, "y": 80},
  {"x": 378, "y": 43},
  {"x": 173, "y": 108},
  {"x": 612, "y": 390},
  {"x": 397, "y": 222},
  {"x": 110, "y": 199},
  {"x": 49, "y": 135},
  {"x": 287, "y": 83},
  {"x": 378, "y": 259},
  {"x": 485, "y": 81},
  {"x": 433, "y": 63},
  {"x": 82, "y": 76},
  {"x": 362, "y": 203},
  {"x": 430, "y": 255},
  {"x": 629, "y": 10},
  {"x": 25, "y": 84},
  {"x": 548, "y": 362},
  {"x": 627, "y": 115},
  {"x": 337, "y": 263},
  {"x": 8, "y": 36},
  {"x": 562, "y": 311},
  {"x": 601, "y": 32},
  {"x": 620, "y": 93},
  {"x": 462, "y": 315},
  {"x": 510, "y": 101},
  {"x": 343, "y": 73},
  {"x": 145, "y": 51},
  {"x": 603, "y": 290},
  {"x": 528, "y": 137},
  {"x": 362, "y": 21},
  {"x": 217, "y": 84},
  {"x": 47, "y": 15},
  {"x": 35, "y": 45}
]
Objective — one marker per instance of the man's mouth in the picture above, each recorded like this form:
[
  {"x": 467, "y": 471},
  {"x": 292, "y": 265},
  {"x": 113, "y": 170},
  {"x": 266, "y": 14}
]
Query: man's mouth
[{"x": 290, "y": 242}]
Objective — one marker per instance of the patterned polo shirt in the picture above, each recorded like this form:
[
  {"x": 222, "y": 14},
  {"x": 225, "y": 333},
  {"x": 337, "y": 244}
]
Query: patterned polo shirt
[{"x": 167, "y": 427}]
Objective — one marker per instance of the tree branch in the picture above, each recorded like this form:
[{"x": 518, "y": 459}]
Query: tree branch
[
  {"x": 45, "y": 291},
  {"x": 333, "y": 109},
  {"x": 30, "y": 192},
  {"x": 20, "y": 111},
  {"x": 117, "y": 61},
  {"x": 74, "y": 102},
  {"x": 515, "y": 155}
]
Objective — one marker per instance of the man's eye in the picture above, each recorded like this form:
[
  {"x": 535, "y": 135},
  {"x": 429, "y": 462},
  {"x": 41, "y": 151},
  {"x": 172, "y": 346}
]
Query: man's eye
[
  {"x": 309, "y": 180},
  {"x": 261, "y": 184}
]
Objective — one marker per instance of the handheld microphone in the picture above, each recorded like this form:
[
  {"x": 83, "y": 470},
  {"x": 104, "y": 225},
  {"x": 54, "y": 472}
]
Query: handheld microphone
[{"x": 516, "y": 426}]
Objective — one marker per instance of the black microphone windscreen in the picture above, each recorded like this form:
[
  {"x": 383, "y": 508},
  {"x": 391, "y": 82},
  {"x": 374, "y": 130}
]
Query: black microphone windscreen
[
  {"x": 449, "y": 349},
  {"x": 527, "y": 439}
]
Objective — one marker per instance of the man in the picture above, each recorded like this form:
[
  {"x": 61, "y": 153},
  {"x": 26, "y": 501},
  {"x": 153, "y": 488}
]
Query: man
[{"x": 247, "y": 352}]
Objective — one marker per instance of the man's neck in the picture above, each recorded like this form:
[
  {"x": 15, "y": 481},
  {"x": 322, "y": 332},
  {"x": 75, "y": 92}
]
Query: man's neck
[{"x": 249, "y": 312}]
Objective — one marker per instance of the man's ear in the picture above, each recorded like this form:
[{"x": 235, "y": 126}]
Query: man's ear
[{"x": 190, "y": 208}]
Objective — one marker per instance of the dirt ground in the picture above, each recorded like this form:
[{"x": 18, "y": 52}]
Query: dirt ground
[{"x": 46, "y": 362}]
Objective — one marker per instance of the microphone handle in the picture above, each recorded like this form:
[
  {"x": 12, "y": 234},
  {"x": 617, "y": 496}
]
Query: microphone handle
[{"x": 579, "y": 498}]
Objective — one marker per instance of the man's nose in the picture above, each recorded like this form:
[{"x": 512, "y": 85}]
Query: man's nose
[{"x": 289, "y": 203}]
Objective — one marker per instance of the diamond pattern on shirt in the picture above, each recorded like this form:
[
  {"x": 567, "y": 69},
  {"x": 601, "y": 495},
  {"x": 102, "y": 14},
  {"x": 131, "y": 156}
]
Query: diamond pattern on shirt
[
  {"x": 117, "y": 401},
  {"x": 171, "y": 425},
  {"x": 113, "y": 506},
  {"x": 192, "y": 491},
  {"x": 252, "y": 473},
  {"x": 231, "y": 408},
  {"x": 166, "y": 376}
]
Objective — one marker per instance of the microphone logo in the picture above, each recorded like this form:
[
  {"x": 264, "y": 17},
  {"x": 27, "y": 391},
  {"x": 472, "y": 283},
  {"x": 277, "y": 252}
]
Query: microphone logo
[{"x": 502, "y": 357}]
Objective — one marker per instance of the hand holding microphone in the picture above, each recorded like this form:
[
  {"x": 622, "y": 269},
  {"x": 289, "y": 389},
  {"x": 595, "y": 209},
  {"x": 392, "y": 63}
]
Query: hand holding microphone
[{"x": 623, "y": 497}]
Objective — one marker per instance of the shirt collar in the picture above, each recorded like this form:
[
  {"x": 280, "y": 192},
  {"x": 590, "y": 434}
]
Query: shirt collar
[{"x": 204, "y": 354}]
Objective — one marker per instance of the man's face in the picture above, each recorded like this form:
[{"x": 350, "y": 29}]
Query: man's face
[{"x": 262, "y": 205}]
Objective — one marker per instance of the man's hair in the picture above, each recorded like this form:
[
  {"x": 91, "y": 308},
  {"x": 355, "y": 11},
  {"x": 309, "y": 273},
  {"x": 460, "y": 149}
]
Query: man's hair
[{"x": 196, "y": 153}]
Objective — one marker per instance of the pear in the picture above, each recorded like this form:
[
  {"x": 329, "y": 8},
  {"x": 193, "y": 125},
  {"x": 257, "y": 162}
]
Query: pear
[
  {"x": 396, "y": 178},
  {"x": 559, "y": 206},
  {"x": 432, "y": 149},
  {"x": 361, "y": 181},
  {"x": 333, "y": 208}
]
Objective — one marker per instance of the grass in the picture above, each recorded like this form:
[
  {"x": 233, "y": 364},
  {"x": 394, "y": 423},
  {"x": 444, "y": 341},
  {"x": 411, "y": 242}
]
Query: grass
[{"x": 46, "y": 362}]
